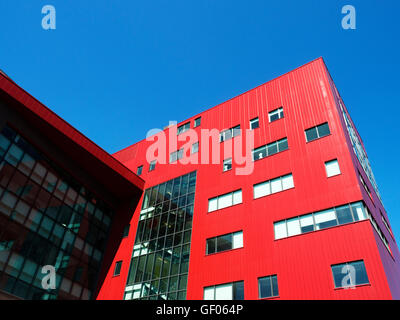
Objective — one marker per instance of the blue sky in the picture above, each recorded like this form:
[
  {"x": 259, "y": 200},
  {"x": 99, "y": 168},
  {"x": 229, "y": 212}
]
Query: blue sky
[{"x": 115, "y": 69}]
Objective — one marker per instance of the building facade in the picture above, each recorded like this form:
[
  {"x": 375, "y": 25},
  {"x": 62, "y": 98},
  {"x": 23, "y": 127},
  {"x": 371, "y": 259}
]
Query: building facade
[{"x": 269, "y": 195}]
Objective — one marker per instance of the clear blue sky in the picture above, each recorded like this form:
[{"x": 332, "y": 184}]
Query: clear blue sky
[{"x": 115, "y": 69}]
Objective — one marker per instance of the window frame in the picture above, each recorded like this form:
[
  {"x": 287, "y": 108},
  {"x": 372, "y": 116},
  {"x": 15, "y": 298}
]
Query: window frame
[
  {"x": 117, "y": 264},
  {"x": 278, "y": 111},
  {"x": 254, "y": 120},
  {"x": 270, "y": 278},
  {"x": 337, "y": 170}
]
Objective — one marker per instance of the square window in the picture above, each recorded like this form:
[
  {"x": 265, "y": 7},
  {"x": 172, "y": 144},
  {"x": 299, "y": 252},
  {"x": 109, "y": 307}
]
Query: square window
[
  {"x": 268, "y": 287},
  {"x": 323, "y": 130},
  {"x": 227, "y": 165},
  {"x": 197, "y": 122},
  {"x": 332, "y": 168},
  {"x": 254, "y": 124},
  {"x": 311, "y": 134}
]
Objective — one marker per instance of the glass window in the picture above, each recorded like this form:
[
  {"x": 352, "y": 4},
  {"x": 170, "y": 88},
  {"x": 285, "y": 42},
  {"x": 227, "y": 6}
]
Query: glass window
[
  {"x": 212, "y": 204},
  {"x": 280, "y": 230},
  {"x": 223, "y": 292},
  {"x": 349, "y": 274},
  {"x": 262, "y": 189},
  {"x": 268, "y": 287},
  {"x": 117, "y": 269},
  {"x": 238, "y": 240},
  {"x": 197, "y": 122},
  {"x": 293, "y": 227},
  {"x": 283, "y": 145},
  {"x": 183, "y": 128},
  {"x": 323, "y": 130},
  {"x": 152, "y": 165},
  {"x": 238, "y": 290},
  {"x": 358, "y": 211},
  {"x": 237, "y": 197},
  {"x": 276, "y": 185},
  {"x": 275, "y": 114},
  {"x": 307, "y": 223},
  {"x": 254, "y": 124},
  {"x": 209, "y": 293},
  {"x": 332, "y": 168},
  {"x": 287, "y": 182},
  {"x": 227, "y": 164},
  {"x": 325, "y": 219},
  {"x": 224, "y": 242},
  {"x": 311, "y": 134},
  {"x": 139, "y": 170},
  {"x": 259, "y": 153},
  {"x": 211, "y": 245},
  {"x": 272, "y": 148},
  {"x": 195, "y": 147},
  {"x": 344, "y": 214}
]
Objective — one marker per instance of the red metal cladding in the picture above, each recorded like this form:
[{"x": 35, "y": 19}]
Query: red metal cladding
[{"x": 302, "y": 263}]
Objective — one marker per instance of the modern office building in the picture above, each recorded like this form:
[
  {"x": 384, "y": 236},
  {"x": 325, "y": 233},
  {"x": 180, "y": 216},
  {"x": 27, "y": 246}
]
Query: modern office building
[{"x": 269, "y": 195}]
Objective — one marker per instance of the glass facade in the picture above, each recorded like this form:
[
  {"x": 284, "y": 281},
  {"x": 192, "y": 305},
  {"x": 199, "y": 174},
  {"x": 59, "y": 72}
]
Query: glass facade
[
  {"x": 160, "y": 258},
  {"x": 46, "y": 218}
]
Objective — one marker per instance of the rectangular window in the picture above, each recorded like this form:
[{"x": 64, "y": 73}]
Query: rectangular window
[
  {"x": 152, "y": 165},
  {"x": 317, "y": 132},
  {"x": 175, "y": 156},
  {"x": 349, "y": 274},
  {"x": 254, "y": 124},
  {"x": 225, "y": 200},
  {"x": 139, "y": 170},
  {"x": 273, "y": 186},
  {"x": 270, "y": 149},
  {"x": 227, "y": 164},
  {"x": 268, "y": 287},
  {"x": 117, "y": 269},
  {"x": 225, "y": 242},
  {"x": 229, "y": 133},
  {"x": 275, "y": 114},
  {"x": 183, "y": 128},
  {"x": 195, "y": 147},
  {"x": 332, "y": 168},
  {"x": 227, "y": 291},
  {"x": 320, "y": 220},
  {"x": 197, "y": 122}
]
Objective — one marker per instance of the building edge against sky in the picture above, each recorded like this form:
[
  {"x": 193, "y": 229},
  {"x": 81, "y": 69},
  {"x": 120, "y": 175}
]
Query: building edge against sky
[{"x": 309, "y": 209}]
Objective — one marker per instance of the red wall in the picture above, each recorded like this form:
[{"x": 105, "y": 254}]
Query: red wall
[{"x": 303, "y": 262}]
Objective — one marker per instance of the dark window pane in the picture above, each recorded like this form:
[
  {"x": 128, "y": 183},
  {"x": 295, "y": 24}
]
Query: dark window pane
[
  {"x": 283, "y": 145},
  {"x": 238, "y": 290},
  {"x": 344, "y": 214},
  {"x": 361, "y": 272},
  {"x": 211, "y": 245},
  {"x": 272, "y": 148},
  {"x": 224, "y": 243},
  {"x": 275, "y": 291},
  {"x": 311, "y": 134},
  {"x": 265, "y": 288},
  {"x": 259, "y": 153},
  {"x": 323, "y": 130}
]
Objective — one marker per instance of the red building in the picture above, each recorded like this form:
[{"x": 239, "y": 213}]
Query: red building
[
  {"x": 298, "y": 216},
  {"x": 304, "y": 224}
]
